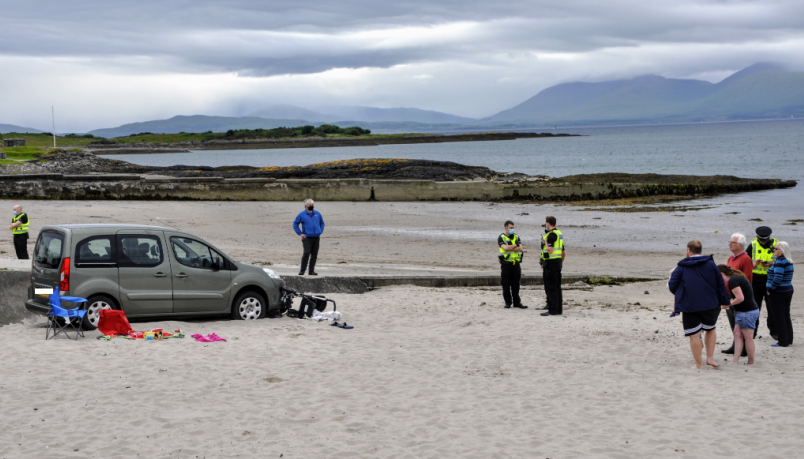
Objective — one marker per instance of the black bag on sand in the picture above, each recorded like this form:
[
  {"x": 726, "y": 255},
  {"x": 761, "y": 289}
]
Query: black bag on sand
[{"x": 312, "y": 303}]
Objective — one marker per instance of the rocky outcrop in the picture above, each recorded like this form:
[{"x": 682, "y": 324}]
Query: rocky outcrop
[{"x": 80, "y": 175}]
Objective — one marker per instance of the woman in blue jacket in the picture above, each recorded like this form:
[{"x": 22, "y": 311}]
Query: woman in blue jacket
[
  {"x": 780, "y": 293},
  {"x": 700, "y": 292}
]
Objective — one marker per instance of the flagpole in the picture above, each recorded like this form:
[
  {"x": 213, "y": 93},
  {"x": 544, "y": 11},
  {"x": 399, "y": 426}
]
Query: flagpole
[{"x": 53, "y": 114}]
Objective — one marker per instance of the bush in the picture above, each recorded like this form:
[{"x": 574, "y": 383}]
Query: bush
[
  {"x": 328, "y": 129},
  {"x": 307, "y": 129},
  {"x": 355, "y": 130},
  {"x": 79, "y": 136},
  {"x": 102, "y": 142}
]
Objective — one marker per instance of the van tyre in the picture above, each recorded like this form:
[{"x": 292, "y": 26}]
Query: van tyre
[
  {"x": 94, "y": 305},
  {"x": 249, "y": 306}
]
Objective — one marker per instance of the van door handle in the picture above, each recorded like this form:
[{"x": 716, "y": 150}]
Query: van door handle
[
  {"x": 160, "y": 275},
  {"x": 181, "y": 275}
]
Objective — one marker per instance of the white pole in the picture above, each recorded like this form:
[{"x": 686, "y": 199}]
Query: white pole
[{"x": 53, "y": 114}]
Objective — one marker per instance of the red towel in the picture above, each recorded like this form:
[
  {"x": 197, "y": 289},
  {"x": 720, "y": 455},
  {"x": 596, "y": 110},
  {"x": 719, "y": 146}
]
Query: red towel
[{"x": 113, "y": 322}]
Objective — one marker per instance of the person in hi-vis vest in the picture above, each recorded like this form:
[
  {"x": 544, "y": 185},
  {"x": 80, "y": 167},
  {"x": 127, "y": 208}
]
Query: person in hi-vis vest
[
  {"x": 761, "y": 252},
  {"x": 19, "y": 228},
  {"x": 552, "y": 260},
  {"x": 510, "y": 265}
]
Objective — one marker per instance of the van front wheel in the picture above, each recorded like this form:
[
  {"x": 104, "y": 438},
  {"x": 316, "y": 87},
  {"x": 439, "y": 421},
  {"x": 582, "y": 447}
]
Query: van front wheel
[
  {"x": 248, "y": 306},
  {"x": 96, "y": 303}
]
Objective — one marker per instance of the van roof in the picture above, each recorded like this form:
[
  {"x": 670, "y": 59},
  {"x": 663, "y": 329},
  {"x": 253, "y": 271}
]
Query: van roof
[{"x": 110, "y": 225}]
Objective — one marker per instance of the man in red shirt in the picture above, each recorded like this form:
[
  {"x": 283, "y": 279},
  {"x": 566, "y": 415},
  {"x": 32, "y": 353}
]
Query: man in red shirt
[{"x": 742, "y": 261}]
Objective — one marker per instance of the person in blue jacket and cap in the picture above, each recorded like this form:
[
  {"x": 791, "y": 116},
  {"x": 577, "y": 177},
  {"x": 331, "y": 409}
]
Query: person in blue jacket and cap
[
  {"x": 700, "y": 295},
  {"x": 312, "y": 226}
]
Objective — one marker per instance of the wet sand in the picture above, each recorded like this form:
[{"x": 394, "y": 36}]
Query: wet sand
[{"x": 418, "y": 238}]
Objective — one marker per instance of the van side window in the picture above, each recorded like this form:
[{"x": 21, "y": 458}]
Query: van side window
[
  {"x": 47, "y": 252},
  {"x": 139, "y": 251},
  {"x": 190, "y": 252},
  {"x": 95, "y": 251}
]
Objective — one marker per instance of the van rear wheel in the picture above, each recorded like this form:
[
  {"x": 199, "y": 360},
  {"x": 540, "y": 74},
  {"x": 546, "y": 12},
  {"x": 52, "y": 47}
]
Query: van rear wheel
[
  {"x": 96, "y": 303},
  {"x": 249, "y": 306}
]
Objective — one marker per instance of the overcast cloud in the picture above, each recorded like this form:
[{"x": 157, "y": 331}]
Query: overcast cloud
[{"x": 104, "y": 63}]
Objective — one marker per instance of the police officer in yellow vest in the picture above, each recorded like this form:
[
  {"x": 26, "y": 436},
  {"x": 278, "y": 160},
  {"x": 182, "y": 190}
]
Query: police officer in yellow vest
[
  {"x": 553, "y": 254},
  {"x": 511, "y": 265},
  {"x": 761, "y": 252},
  {"x": 19, "y": 228}
]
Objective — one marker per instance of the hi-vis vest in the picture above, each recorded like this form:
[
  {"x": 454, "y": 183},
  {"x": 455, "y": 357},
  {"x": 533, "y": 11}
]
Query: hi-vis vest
[
  {"x": 762, "y": 254},
  {"x": 22, "y": 229},
  {"x": 558, "y": 247},
  {"x": 515, "y": 257}
]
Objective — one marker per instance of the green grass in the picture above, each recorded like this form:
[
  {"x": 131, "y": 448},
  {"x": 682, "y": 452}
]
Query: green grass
[
  {"x": 46, "y": 140},
  {"x": 17, "y": 154},
  {"x": 202, "y": 137}
]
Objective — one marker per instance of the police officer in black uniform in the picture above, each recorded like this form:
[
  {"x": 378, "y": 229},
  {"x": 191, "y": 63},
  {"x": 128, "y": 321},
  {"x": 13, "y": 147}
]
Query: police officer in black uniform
[
  {"x": 761, "y": 252},
  {"x": 19, "y": 228},
  {"x": 552, "y": 260},
  {"x": 510, "y": 265}
]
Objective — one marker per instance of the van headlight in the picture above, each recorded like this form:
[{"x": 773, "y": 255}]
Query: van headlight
[{"x": 271, "y": 273}]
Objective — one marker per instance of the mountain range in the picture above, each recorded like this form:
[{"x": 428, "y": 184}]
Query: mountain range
[
  {"x": 759, "y": 91},
  {"x": 4, "y": 128}
]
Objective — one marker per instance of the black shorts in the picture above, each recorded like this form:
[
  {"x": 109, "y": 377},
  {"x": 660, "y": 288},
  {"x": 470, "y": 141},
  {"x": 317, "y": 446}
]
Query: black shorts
[{"x": 694, "y": 322}]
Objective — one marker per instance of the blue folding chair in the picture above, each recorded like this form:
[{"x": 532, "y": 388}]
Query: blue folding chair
[{"x": 68, "y": 316}]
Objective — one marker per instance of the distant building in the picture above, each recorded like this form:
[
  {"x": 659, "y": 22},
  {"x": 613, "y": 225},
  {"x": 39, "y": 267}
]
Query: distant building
[{"x": 13, "y": 142}]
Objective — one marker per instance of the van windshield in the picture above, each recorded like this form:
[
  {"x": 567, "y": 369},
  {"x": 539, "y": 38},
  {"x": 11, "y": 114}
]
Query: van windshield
[{"x": 47, "y": 253}]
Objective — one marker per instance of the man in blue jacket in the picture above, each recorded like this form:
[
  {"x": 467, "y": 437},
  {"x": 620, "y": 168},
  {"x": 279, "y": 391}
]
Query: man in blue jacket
[
  {"x": 312, "y": 226},
  {"x": 700, "y": 293}
]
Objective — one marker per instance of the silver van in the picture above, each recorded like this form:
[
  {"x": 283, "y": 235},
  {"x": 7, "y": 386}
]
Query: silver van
[{"x": 147, "y": 271}]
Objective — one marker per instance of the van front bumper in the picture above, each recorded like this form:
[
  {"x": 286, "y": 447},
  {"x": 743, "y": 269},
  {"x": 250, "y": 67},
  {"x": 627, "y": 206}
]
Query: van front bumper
[{"x": 37, "y": 308}]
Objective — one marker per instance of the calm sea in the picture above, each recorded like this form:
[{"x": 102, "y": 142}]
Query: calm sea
[{"x": 757, "y": 149}]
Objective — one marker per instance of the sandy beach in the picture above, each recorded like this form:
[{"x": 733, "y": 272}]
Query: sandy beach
[{"x": 425, "y": 372}]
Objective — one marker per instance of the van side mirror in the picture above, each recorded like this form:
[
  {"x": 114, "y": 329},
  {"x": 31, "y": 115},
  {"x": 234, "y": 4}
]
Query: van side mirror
[{"x": 217, "y": 264}]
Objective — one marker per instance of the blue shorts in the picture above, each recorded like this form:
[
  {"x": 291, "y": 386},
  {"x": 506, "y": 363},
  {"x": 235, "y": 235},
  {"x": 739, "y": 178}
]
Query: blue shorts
[{"x": 747, "y": 320}]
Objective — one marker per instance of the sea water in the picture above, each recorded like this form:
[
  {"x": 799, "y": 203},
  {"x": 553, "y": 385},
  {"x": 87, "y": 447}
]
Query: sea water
[{"x": 756, "y": 149}]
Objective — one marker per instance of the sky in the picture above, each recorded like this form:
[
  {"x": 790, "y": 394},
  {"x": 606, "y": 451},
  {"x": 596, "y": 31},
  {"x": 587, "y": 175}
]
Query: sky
[{"x": 102, "y": 63}]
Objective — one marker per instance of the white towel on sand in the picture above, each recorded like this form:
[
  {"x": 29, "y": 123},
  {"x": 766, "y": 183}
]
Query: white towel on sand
[{"x": 318, "y": 316}]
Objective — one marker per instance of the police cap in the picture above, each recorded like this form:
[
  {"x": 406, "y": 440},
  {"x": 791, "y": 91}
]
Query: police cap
[{"x": 764, "y": 232}]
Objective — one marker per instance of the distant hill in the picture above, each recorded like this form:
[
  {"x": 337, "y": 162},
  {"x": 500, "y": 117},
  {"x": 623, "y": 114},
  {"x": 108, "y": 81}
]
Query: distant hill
[
  {"x": 341, "y": 113},
  {"x": 202, "y": 123},
  {"x": 372, "y": 114},
  {"x": 283, "y": 111},
  {"x": 196, "y": 123},
  {"x": 6, "y": 128},
  {"x": 759, "y": 91}
]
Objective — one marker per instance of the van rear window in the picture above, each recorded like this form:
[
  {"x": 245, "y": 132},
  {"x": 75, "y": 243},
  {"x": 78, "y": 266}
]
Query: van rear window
[
  {"x": 47, "y": 252},
  {"x": 96, "y": 251}
]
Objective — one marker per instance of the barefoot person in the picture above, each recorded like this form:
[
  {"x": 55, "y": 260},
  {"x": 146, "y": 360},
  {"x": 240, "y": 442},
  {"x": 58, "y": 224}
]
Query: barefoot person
[
  {"x": 739, "y": 260},
  {"x": 746, "y": 311},
  {"x": 700, "y": 291}
]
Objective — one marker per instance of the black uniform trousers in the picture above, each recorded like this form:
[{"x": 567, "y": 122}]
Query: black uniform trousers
[
  {"x": 510, "y": 275},
  {"x": 760, "y": 286},
  {"x": 21, "y": 246},
  {"x": 551, "y": 271},
  {"x": 310, "y": 253},
  {"x": 779, "y": 306}
]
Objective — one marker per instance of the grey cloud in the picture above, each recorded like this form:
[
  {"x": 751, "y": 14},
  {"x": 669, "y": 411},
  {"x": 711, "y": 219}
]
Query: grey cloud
[{"x": 258, "y": 38}]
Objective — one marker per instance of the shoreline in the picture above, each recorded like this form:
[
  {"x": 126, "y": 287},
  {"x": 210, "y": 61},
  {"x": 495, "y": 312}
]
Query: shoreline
[{"x": 267, "y": 144}]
